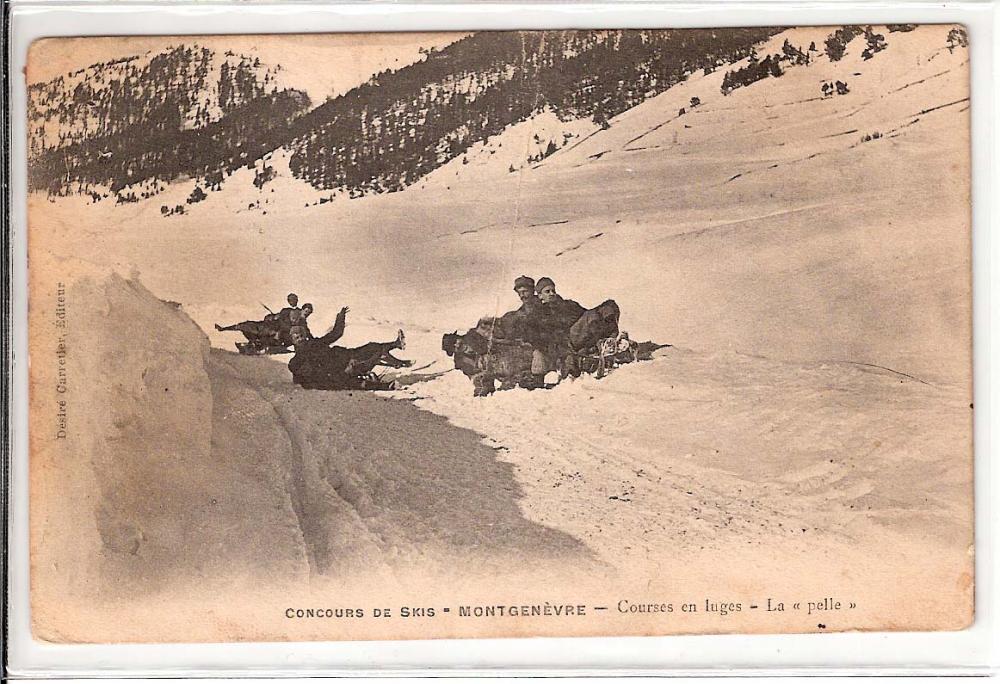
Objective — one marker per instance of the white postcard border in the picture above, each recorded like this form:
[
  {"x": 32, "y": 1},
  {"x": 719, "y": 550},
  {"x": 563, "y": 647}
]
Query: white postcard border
[{"x": 972, "y": 650}]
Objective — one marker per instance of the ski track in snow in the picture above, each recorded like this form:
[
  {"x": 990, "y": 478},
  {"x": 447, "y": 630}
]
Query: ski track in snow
[{"x": 671, "y": 431}]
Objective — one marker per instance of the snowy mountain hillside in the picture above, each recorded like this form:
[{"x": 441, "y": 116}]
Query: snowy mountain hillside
[
  {"x": 382, "y": 135},
  {"x": 187, "y": 85},
  {"x": 794, "y": 220},
  {"x": 126, "y": 128},
  {"x": 519, "y": 146},
  {"x": 759, "y": 221}
]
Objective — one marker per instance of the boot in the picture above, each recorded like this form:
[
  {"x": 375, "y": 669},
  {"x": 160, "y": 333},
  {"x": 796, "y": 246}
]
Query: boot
[
  {"x": 483, "y": 386},
  {"x": 571, "y": 366},
  {"x": 537, "y": 381}
]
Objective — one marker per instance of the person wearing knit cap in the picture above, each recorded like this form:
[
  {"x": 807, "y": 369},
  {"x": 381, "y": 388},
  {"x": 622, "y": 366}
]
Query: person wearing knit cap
[
  {"x": 542, "y": 283},
  {"x": 515, "y": 321},
  {"x": 527, "y": 323},
  {"x": 560, "y": 316},
  {"x": 519, "y": 323},
  {"x": 564, "y": 312},
  {"x": 524, "y": 286}
]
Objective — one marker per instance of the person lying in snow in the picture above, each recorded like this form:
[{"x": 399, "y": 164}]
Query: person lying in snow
[
  {"x": 274, "y": 331},
  {"x": 318, "y": 364}
]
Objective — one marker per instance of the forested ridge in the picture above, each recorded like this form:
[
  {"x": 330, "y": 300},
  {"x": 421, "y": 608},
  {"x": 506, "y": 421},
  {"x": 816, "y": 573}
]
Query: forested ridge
[
  {"x": 391, "y": 131},
  {"x": 184, "y": 86},
  {"x": 135, "y": 122},
  {"x": 129, "y": 126}
]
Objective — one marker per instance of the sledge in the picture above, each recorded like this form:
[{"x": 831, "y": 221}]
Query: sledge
[
  {"x": 509, "y": 361},
  {"x": 260, "y": 349},
  {"x": 608, "y": 353},
  {"x": 375, "y": 382}
]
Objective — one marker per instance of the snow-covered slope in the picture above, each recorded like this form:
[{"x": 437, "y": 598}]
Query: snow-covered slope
[
  {"x": 519, "y": 147},
  {"x": 757, "y": 222},
  {"x": 170, "y": 473},
  {"x": 813, "y": 276}
]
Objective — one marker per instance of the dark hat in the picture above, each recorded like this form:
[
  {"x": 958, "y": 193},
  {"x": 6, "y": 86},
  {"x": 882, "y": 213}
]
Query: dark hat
[
  {"x": 524, "y": 283},
  {"x": 544, "y": 282}
]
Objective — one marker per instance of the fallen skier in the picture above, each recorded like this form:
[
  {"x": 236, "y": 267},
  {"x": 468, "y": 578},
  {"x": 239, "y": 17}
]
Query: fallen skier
[{"x": 319, "y": 364}]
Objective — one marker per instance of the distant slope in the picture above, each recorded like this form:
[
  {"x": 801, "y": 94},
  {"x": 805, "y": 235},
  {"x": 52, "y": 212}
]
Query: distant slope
[
  {"x": 144, "y": 121},
  {"x": 394, "y": 130},
  {"x": 130, "y": 126},
  {"x": 185, "y": 87}
]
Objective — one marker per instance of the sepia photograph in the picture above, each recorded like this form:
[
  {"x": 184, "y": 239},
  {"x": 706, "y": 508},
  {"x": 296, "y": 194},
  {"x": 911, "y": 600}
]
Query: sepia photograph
[{"x": 356, "y": 336}]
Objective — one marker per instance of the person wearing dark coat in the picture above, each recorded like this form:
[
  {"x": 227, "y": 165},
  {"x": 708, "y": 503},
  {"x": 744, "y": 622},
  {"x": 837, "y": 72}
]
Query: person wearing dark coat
[
  {"x": 312, "y": 353},
  {"x": 286, "y": 318},
  {"x": 319, "y": 364},
  {"x": 287, "y": 313},
  {"x": 529, "y": 323},
  {"x": 297, "y": 324},
  {"x": 275, "y": 329},
  {"x": 560, "y": 316},
  {"x": 594, "y": 325},
  {"x": 525, "y": 322},
  {"x": 561, "y": 313}
]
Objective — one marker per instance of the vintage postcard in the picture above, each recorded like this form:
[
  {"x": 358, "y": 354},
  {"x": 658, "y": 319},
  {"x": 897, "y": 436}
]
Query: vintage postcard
[{"x": 500, "y": 334}]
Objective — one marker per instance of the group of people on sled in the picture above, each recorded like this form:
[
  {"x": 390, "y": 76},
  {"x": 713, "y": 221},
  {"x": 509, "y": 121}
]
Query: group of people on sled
[
  {"x": 546, "y": 333},
  {"x": 318, "y": 363},
  {"x": 276, "y": 331}
]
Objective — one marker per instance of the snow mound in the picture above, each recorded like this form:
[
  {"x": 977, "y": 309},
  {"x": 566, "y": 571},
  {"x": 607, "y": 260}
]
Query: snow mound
[
  {"x": 172, "y": 470},
  {"x": 137, "y": 494}
]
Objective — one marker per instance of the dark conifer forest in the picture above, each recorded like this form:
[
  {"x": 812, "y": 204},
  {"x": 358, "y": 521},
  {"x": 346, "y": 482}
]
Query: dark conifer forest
[
  {"x": 401, "y": 125},
  {"x": 128, "y": 127}
]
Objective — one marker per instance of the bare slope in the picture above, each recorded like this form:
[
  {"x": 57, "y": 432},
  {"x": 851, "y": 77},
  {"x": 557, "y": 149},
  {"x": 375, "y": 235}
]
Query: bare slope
[{"x": 726, "y": 470}]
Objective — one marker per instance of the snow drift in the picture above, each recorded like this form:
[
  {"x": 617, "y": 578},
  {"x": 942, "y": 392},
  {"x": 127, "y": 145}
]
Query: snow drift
[{"x": 186, "y": 469}]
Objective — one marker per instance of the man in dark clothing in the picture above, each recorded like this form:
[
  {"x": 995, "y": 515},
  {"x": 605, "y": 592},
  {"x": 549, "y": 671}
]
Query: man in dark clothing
[
  {"x": 560, "y": 316},
  {"x": 297, "y": 324},
  {"x": 594, "y": 325},
  {"x": 524, "y": 286},
  {"x": 293, "y": 305},
  {"x": 288, "y": 317},
  {"x": 561, "y": 313},
  {"x": 523, "y": 323},
  {"x": 261, "y": 333},
  {"x": 528, "y": 323},
  {"x": 318, "y": 364},
  {"x": 275, "y": 329},
  {"x": 311, "y": 351}
]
